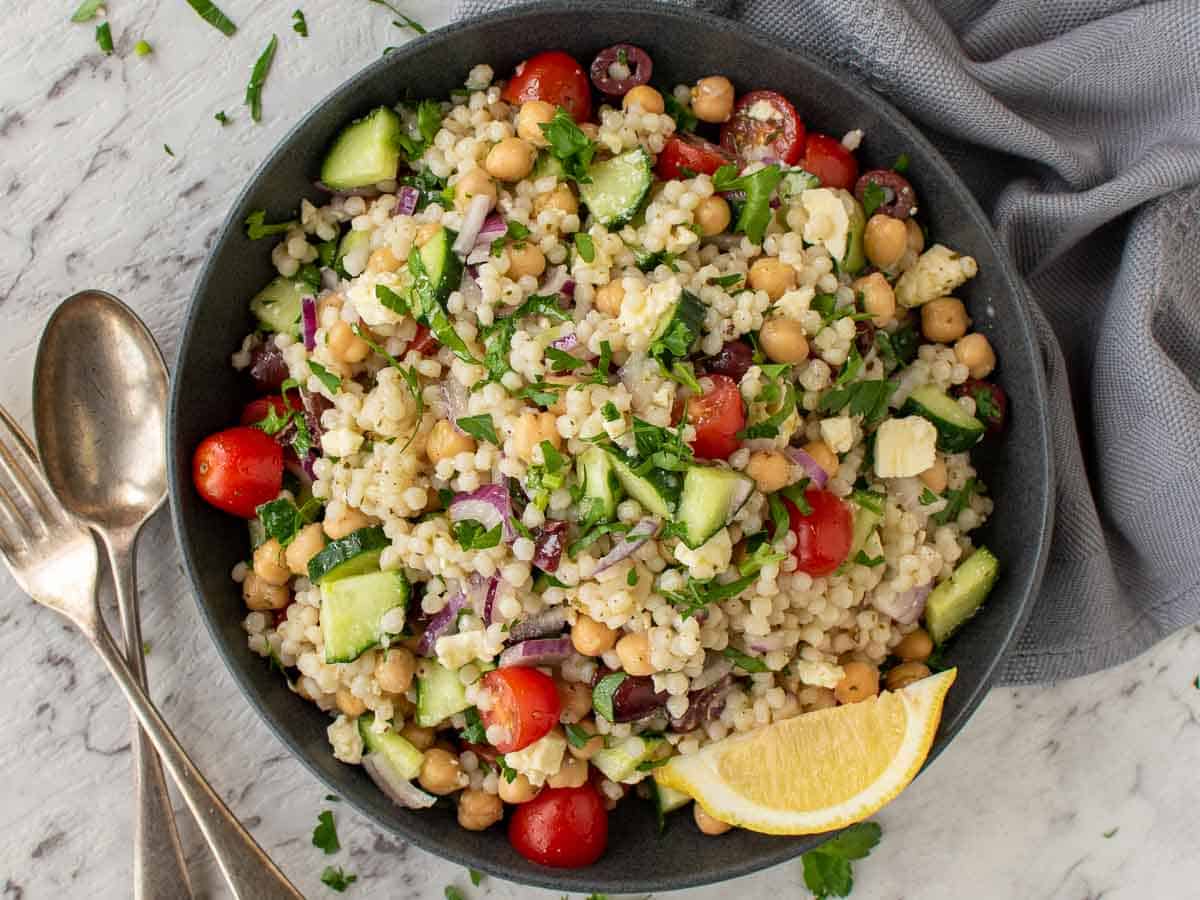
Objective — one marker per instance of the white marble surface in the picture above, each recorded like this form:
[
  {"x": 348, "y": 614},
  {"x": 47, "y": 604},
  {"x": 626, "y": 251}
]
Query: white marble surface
[{"x": 1020, "y": 806}]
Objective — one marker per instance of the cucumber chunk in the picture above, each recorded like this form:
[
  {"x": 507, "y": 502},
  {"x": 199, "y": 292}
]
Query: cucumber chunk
[
  {"x": 957, "y": 431},
  {"x": 442, "y": 266},
  {"x": 657, "y": 490},
  {"x": 396, "y": 751},
  {"x": 866, "y": 520},
  {"x": 679, "y": 328},
  {"x": 366, "y": 152},
  {"x": 594, "y": 470},
  {"x": 547, "y": 165},
  {"x": 440, "y": 694},
  {"x": 855, "y": 257},
  {"x": 711, "y": 496},
  {"x": 668, "y": 799},
  {"x": 352, "y": 242},
  {"x": 277, "y": 306},
  {"x": 352, "y": 611},
  {"x": 355, "y": 554},
  {"x": 618, "y": 187},
  {"x": 959, "y": 597},
  {"x": 622, "y": 761}
]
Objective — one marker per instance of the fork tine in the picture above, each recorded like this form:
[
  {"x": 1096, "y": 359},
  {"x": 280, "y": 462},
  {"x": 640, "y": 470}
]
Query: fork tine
[
  {"x": 25, "y": 472},
  {"x": 13, "y": 526}
]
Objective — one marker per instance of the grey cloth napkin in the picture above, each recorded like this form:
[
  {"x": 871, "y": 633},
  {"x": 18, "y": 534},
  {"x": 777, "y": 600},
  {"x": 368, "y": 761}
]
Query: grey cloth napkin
[{"x": 1076, "y": 123}]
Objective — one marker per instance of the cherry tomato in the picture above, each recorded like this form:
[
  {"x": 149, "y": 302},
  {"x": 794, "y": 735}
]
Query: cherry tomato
[
  {"x": 764, "y": 125},
  {"x": 256, "y": 410},
  {"x": 823, "y": 537},
  {"x": 524, "y": 703},
  {"x": 561, "y": 827},
  {"x": 238, "y": 469},
  {"x": 423, "y": 341},
  {"x": 718, "y": 416},
  {"x": 693, "y": 154},
  {"x": 826, "y": 158},
  {"x": 553, "y": 76}
]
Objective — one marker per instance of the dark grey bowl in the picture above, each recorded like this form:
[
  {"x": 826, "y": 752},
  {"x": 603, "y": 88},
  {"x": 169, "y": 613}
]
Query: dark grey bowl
[{"x": 206, "y": 396}]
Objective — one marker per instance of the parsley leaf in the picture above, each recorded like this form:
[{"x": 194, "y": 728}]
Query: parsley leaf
[
  {"x": 853, "y": 365},
  {"x": 324, "y": 835},
  {"x": 898, "y": 348},
  {"x": 300, "y": 25},
  {"x": 429, "y": 311},
  {"x": 453, "y": 893},
  {"x": 727, "y": 281},
  {"x": 901, "y": 164},
  {"x": 430, "y": 189},
  {"x": 873, "y": 197},
  {"x": 104, "y": 38},
  {"x": 282, "y": 519},
  {"x": 497, "y": 337},
  {"x": 407, "y": 22},
  {"x": 336, "y": 879},
  {"x": 685, "y": 119},
  {"x": 868, "y": 399},
  {"x": 143, "y": 48},
  {"x": 779, "y": 516},
  {"x": 593, "y": 535},
  {"x": 476, "y": 876},
  {"x": 957, "y": 501},
  {"x": 474, "y": 733},
  {"x": 331, "y": 381},
  {"x": 744, "y": 661},
  {"x": 409, "y": 375},
  {"x": 756, "y": 210},
  {"x": 256, "y": 225},
  {"x": 258, "y": 76},
  {"x": 213, "y": 16},
  {"x": 569, "y": 145},
  {"x": 87, "y": 10},
  {"x": 221, "y": 117},
  {"x": 167, "y": 149},
  {"x": 610, "y": 412},
  {"x": 603, "y": 693},
  {"x": 562, "y": 361},
  {"x": 480, "y": 427},
  {"x": 863, "y": 560},
  {"x": 540, "y": 393},
  {"x": 827, "y": 871},
  {"x": 698, "y": 594},
  {"x": 471, "y": 535},
  {"x": 576, "y": 736},
  {"x": 585, "y": 246},
  {"x": 428, "y": 122},
  {"x": 985, "y": 404},
  {"x": 795, "y": 495},
  {"x": 514, "y": 232},
  {"x": 509, "y": 773}
]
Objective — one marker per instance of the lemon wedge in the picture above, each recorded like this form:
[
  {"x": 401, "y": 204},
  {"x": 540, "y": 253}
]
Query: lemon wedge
[{"x": 817, "y": 772}]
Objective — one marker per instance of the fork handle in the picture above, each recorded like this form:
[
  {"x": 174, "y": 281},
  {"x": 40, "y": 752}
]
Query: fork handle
[
  {"x": 159, "y": 870},
  {"x": 249, "y": 871}
]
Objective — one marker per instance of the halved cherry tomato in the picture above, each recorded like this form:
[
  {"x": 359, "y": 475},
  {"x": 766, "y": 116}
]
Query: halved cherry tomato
[
  {"x": 823, "y": 537},
  {"x": 718, "y": 416},
  {"x": 238, "y": 469},
  {"x": 685, "y": 155},
  {"x": 423, "y": 341},
  {"x": 553, "y": 76},
  {"x": 256, "y": 410},
  {"x": 826, "y": 158},
  {"x": 561, "y": 827},
  {"x": 524, "y": 704},
  {"x": 764, "y": 125}
]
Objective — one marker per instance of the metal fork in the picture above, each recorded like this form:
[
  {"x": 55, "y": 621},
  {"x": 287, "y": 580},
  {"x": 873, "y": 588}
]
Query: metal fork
[{"x": 54, "y": 561}]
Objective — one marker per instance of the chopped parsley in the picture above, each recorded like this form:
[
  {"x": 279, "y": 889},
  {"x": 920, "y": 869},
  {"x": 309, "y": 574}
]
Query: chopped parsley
[
  {"x": 430, "y": 189},
  {"x": 928, "y": 497},
  {"x": 476, "y": 876},
  {"x": 542, "y": 480},
  {"x": 851, "y": 368},
  {"x": 453, "y": 893},
  {"x": 258, "y": 75},
  {"x": 104, "y": 38},
  {"x": 632, "y": 578},
  {"x": 901, "y": 164},
  {"x": 827, "y": 870},
  {"x": 332, "y": 382},
  {"x": 569, "y": 145},
  {"x": 325, "y": 836},
  {"x": 514, "y": 233},
  {"x": 562, "y": 361},
  {"x": 603, "y": 693},
  {"x": 610, "y": 412},
  {"x": 429, "y": 311},
  {"x": 1111, "y": 832},
  {"x": 594, "y": 534},
  {"x": 585, "y": 246},
  {"x": 509, "y": 773},
  {"x": 727, "y": 281},
  {"x": 540, "y": 393},
  {"x": 410, "y": 379},
  {"x": 650, "y": 765},
  {"x": 497, "y": 337},
  {"x": 869, "y": 500},
  {"x": 336, "y": 879},
  {"x": 167, "y": 149},
  {"x": 480, "y": 427},
  {"x": 282, "y": 519},
  {"x": 299, "y": 23},
  {"x": 576, "y": 736},
  {"x": 474, "y": 733},
  {"x": 405, "y": 21},
  {"x": 472, "y": 535},
  {"x": 143, "y": 48},
  {"x": 770, "y": 395},
  {"x": 761, "y": 555},
  {"x": 898, "y": 348},
  {"x": 256, "y": 224},
  {"x": 756, "y": 210},
  {"x": 209, "y": 13},
  {"x": 685, "y": 119},
  {"x": 871, "y": 561},
  {"x": 985, "y": 403},
  {"x": 873, "y": 197},
  {"x": 744, "y": 661},
  {"x": 956, "y": 502},
  {"x": 221, "y": 117},
  {"x": 868, "y": 399},
  {"x": 794, "y": 493},
  {"x": 779, "y": 516},
  {"x": 87, "y": 10},
  {"x": 661, "y": 448}
]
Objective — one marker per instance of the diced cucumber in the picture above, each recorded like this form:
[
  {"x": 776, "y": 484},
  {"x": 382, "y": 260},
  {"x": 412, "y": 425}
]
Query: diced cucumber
[
  {"x": 960, "y": 596},
  {"x": 795, "y": 182},
  {"x": 547, "y": 165},
  {"x": 668, "y": 799},
  {"x": 617, "y": 187},
  {"x": 442, "y": 266},
  {"x": 355, "y": 554},
  {"x": 678, "y": 328},
  {"x": 865, "y": 521},
  {"x": 622, "y": 761},
  {"x": 258, "y": 533},
  {"x": 396, "y": 750},
  {"x": 658, "y": 490},
  {"x": 366, "y": 152},
  {"x": 711, "y": 496},
  {"x": 354, "y": 242},
  {"x": 277, "y": 306},
  {"x": 594, "y": 470},
  {"x": 957, "y": 431},
  {"x": 440, "y": 694},
  {"x": 352, "y": 611},
  {"x": 855, "y": 257}
]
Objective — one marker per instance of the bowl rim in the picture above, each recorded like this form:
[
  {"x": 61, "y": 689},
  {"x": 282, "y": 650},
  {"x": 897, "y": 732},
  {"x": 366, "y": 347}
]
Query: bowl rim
[{"x": 565, "y": 879}]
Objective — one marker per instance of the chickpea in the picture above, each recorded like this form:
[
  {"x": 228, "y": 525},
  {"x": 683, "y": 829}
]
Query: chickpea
[
  {"x": 914, "y": 236},
  {"x": 533, "y": 428},
  {"x": 562, "y": 198},
  {"x": 645, "y": 97},
  {"x": 877, "y": 298},
  {"x": 425, "y": 232},
  {"x": 329, "y": 301},
  {"x": 813, "y": 697},
  {"x": 712, "y": 99},
  {"x": 478, "y": 809},
  {"x": 511, "y": 159},
  {"x": 860, "y": 681},
  {"x": 914, "y": 646},
  {"x": 783, "y": 340},
  {"x": 944, "y": 320},
  {"x": 308, "y": 542},
  {"x": 712, "y": 215},
  {"x": 446, "y": 441},
  {"x": 884, "y": 241},
  {"x": 592, "y": 747},
  {"x": 572, "y": 774},
  {"x": 348, "y": 521},
  {"x": 519, "y": 790},
  {"x": 344, "y": 345},
  {"x": 382, "y": 259},
  {"x": 609, "y": 297},
  {"x": 771, "y": 274},
  {"x": 476, "y": 183},
  {"x": 440, "y": 773},
  {"x": 261, "y": 596},
  {"x": 575, "y": 700},
  {"x": 395, "y": 673},
  {"x": 634, "y": 653},
  {"x": 906, "y": 673},
  {"x": 348, "y": 704},
  {"x": 769, "y": 469},
  {"x": 823, "y": 456},
  {"x": 525, "y": 258},
  {"x": 534, "y": 114},
  {"x": 707, "y": 824},
  {"x": 592, "y": 638},
  {"x": 421, "y": 738},
  {"x": 559, "y": 406},
  {"x": 269, "y": 563},
  {"x": 975, "y": 352},
  {"x": 935, "y": 477}
]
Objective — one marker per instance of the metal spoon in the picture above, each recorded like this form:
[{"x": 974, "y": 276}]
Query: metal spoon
[{"x": 100, "y": 398}]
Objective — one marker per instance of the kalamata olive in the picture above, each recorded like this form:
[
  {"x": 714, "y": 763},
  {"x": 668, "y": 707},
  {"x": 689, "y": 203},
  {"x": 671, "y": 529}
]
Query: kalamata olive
[
  {"x": 635, "y": 698},
  {"x": 619, "y": 69},
  {"x": 899, "y": 198},
  {"x": 733, "y": 360},
  {"x": 991, "y": 403},
  {"x": 314, "y": 406},
  {"x": 704, "y": 705},
  {"x": 267, "y": 368},
  {"x": 864, "y": 336}
]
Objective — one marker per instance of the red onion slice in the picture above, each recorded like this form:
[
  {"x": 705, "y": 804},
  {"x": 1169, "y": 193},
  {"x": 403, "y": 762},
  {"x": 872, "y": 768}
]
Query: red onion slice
[
  {"x": 473, "y": 219},
  {"x": 537, "y": 652},
  {"x": 636, "y": 63},
  {"x": 489, "y": 600},
  {"x": 566, "y": 342},
  {"x": 490, "y": 506},
  {"x": 549, "y": 622},
  {"x": 407, "y": 199},
  {"x": 441, "y": 624},
  {"x": 811, "y": 467},
  {"x": 308, "y": 316},
  {"x": 549, "y": 544},
  {"x": 401, "y": 792},
  {"x": 454, "y": 395},
  {"x": 907, "y": 607},
  {"x": 638, "y": 535}
]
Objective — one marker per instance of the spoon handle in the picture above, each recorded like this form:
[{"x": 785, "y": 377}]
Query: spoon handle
[
  {"x": 250, "y": 873},
  {"x": 159, "y": 870}
]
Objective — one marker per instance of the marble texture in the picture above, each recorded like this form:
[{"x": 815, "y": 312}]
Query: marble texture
[{"x": 1077, "y": 790}]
